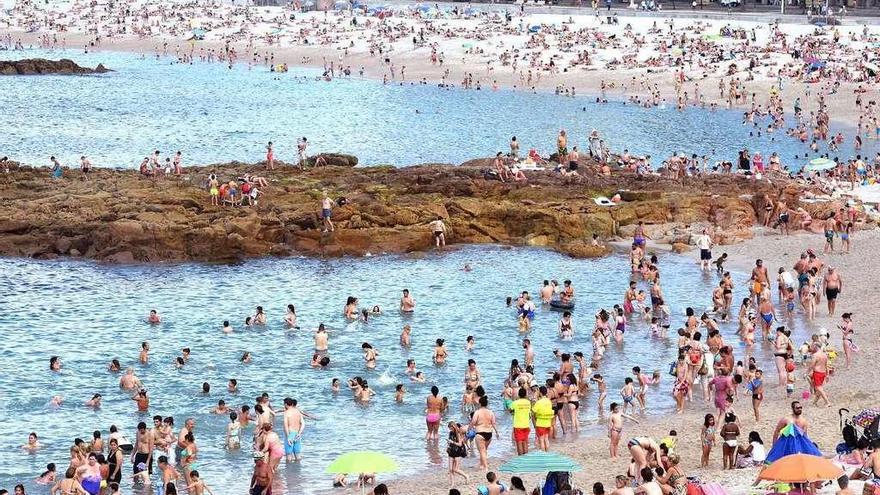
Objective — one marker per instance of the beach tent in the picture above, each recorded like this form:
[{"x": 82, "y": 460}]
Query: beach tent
[
  {"x": 341, "y": 5},
  {"x": 818, "y": 64},
  {"x": 872, "y": 69},
  {"x": 534, "y": 29},
  {"x": 792, "y": 440},
  {"x": 801, "y": 468}
]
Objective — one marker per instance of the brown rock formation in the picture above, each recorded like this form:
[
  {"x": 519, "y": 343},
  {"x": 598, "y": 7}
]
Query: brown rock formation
[
  {"x": 41, "y": 66},
  {"x": 124, "y": 217}
]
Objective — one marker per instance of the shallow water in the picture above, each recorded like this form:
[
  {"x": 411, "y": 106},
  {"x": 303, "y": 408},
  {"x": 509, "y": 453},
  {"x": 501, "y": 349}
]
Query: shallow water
[
  {"x": 89, "y": 313},
  {"x": 214, "y": 114}
]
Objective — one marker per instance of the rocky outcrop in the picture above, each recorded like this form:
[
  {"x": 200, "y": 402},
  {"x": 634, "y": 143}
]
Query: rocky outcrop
[
  {"x": 333, "y": 160},
  {"x": 121, "y": 216},
  {"x": 41, "y": 66}
]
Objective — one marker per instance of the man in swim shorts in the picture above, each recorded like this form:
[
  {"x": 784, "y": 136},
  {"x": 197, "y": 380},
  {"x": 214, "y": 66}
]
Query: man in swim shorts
[
  {"x": 294, "y": 425},
  {"x": 818, "y": 373},
  {"x": 438, "y": 230},
  {"x": 704, "y": 242},
  {"x": 833, "y": 284},
  {"x": 326, "y": 212},
  {"x": 522, "y": 412}
]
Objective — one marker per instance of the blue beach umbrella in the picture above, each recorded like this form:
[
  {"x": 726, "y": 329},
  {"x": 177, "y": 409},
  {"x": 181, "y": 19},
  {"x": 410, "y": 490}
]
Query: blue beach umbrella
[
  {"x": 540, "y": 462},
  {"x": 792, "y": 440}
]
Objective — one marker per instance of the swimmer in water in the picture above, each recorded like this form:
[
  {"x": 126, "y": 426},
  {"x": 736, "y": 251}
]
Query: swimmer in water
[
  {"x": 370, "y": 355},
  {"x": 154, "y": 317},
  {"x": 321, "y": 339},
  {"x": 226, "y": 327},
  {"x": 33, "y": 444},
  {"x": 399, "y": 393},
  {"x": 405, "y": 336},
  {"x": 290, "y": 317}
]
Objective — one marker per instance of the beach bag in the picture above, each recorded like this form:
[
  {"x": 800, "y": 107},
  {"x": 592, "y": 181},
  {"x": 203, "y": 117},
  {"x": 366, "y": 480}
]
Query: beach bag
[
  {"x": 712, "y": 489},
  {"x": 693, "y": 488}
]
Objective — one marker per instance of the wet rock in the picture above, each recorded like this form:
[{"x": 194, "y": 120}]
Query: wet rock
[
  {"x": 122, "y": 217},
  {"x": 41, "y": 66}
]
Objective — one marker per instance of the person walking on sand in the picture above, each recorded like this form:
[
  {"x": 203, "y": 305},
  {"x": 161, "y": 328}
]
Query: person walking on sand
[
  {"x": 833, "y": 285},
  {"x": 327, "y": 212},
  {"x": 483, "y": 422},
  {"x": 818, "y": 374},
  {"x": 615, "y": 427}
]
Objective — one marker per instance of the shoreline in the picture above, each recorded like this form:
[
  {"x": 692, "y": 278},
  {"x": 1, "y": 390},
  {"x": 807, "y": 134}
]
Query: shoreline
[
  {"x": 418, "y": 67},
  {"x": 590, "y": 449}
]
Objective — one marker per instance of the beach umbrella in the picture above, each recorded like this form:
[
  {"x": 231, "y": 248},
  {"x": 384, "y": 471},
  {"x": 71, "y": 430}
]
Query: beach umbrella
[
  {"x": 801, "y": 468},
  {"x": 818, "y": 164},
  {"x": 540, "y": 462},
  {"x": 792, "y": 440},
  {"x": 362, "y": 461}
]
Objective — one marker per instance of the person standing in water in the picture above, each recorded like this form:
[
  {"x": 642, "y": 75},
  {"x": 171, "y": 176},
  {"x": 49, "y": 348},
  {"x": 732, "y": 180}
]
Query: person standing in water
[
  {"x": 407, "y": 303},
  {"x": 433, "y": 406},
  {"x": 294, "y": 424}
]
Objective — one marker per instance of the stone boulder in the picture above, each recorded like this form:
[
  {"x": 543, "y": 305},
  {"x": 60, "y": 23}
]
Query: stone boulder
[
  {"x": 334, "y": 160},
  {"x": 41, "y": 66}
]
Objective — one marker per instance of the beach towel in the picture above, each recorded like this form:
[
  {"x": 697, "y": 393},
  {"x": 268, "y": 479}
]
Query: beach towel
[{"x": 712, "y": 489}]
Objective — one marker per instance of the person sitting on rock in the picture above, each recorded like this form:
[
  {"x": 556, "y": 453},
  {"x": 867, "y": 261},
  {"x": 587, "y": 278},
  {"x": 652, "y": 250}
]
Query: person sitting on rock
[{"x": 320, "y": 161}]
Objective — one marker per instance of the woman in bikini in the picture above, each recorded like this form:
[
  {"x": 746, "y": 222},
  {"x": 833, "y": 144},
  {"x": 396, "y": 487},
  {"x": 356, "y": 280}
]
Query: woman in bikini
[
  {"x": 573, "y": 396},
  {"x": 674, "y": 482},
  {"x": 440, "y": 353},
  {"x": 483, "y": 422},
  {"x": 472, "y": 375},
  {"x": 369, "y": 355},
  {"x": 69, "y": 485},
  {"x": 188, "y": 457},
  {"x": 782, "y": 348},
  {"x": 433, "y": 406}
]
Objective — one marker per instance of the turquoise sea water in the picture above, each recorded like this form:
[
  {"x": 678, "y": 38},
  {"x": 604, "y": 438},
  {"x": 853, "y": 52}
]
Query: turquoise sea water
[
  {"x": 89, "y": 313},
  {"x": 214, "y": 114}
]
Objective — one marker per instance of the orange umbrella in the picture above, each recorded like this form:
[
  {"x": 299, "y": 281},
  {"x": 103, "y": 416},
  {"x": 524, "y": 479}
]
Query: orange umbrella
[{"x": 801, "y": 468}]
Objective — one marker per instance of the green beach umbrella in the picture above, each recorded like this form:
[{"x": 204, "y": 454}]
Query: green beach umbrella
[
  {"x": 817, "y": 164},
  {"x": 540, "y": 462},
  {"x": 362, "y": 461}
]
